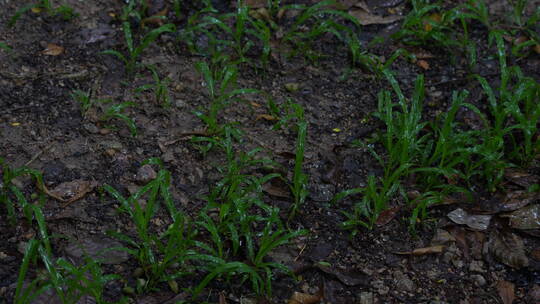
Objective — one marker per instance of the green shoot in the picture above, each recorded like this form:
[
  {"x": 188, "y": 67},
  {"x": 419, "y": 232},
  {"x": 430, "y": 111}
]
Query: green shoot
[
  {"x": 160, "y": 88},
  {"x": 134, "y": 52}
]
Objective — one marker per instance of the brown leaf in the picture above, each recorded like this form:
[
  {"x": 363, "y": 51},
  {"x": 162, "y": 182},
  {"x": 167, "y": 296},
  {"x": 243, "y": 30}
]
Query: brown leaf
[
  {"x": 537, "y": 48},
  {"x": 423, "y": 64},
  {"x": 304, "y": 298},
  {"x": 424, "y": 251},
  {"x": 508, "y": 248},
  {"x": 222, "y": 299},
  {"x": 387, "y": 215},
  {"x": 365, "y": 18},
  {"x": 506, "y": 292},
  {"x": 474, "y": 221},
  {"x": 526, "y": 218},
  {"x": 535, "y": 254},
  {"x": 266, "y": 117},
  {"x": 69, "y": 192},
  {"x": 277, "y": 188},
  {"x": 53, "y": 50},
  {"x": 442, "y": 237},
  {"x": 518, "y": 199},
  {"x": 520, "y": 177},
  {"x": 347, "y": 278}
]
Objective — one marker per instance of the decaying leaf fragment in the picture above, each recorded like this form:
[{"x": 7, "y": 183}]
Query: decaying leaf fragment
[
  {"x": 305, "y": 298},
  {"x": 474, "y": 221},
  {"x": 506, "y": 291},
  {"x": 508, "y": 248},
  {"x": 366, "y": 18},
  {"x": 424, "y": 251},
  {"x": 53, "y": 50},
  {"x": 526, "y": 218},
  {"x": 69, "y": 192}
]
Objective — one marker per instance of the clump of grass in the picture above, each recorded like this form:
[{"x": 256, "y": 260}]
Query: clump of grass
[
  {"x": 130, "y": 59},
  {"x": 236, "y": 249},
  {"x": 220, "y": 78},
  {"x": 162, "y": 257},
  {"x": 64, "y": 11},
  {"x": 11, "y": 195},
  {"x": 160, "y": 87}
]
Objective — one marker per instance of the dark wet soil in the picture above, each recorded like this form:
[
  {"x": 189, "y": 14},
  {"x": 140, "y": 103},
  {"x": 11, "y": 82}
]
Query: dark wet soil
[{"x": 41, "y": 126}]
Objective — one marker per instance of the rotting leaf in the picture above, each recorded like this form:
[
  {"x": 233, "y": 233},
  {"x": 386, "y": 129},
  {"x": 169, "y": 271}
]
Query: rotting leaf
[
  {"x": 305, "y": 298},
  {"x": 506, "y": 292},
  {"x": 387, "y": 216},
  {"x": 277, "y": 188},
  {"x": 366, "y": 18},
  {"x": 349, "y": 279},
  {"x": 477, "y": 222},
  {"x": 424, "y": 251},
  {"x": 526, "y": 218},
  {"x": 520, "y": 177},
  {"x": 53, "y": 50},
  {"x": 266, "y": 117},
  {"x": 518, "y": 199},
  {"x": 423, "y": 64},
  {"x": 69, "y": 192},
  {"x": 442, "y": 237},
  {"x": 508, "y": 248}
]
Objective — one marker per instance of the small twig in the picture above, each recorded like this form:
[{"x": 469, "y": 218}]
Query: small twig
[{"x": 38, "y": 154}]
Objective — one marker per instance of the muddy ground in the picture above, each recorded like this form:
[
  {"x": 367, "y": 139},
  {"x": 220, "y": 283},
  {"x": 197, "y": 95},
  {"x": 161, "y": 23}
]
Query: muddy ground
[{"x": 41, "y": 126}]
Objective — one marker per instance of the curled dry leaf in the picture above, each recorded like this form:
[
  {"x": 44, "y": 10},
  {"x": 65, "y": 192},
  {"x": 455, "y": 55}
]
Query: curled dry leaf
[
  {"x": 477, "y": 222},
  {"x": 526, "y": 218},
  {"x": 305, "y": 298},
  {"x": 442, "y": 237},
  {"x": 366, "y": 18},
  {"x": 506, "y": 292},
  {"x": 423, "y": 64},
  {"x": 508, "y": 248},
  {"x": 520, "y": 177},
  {"x": 518, "y": 199},
  {"x": 387, "y": 216},
  {"x": 424, "y": 251},
  {"x": 53, "y": 50},
  {"x": 69, "y": 192},
  {"x": 266, "y": 117}
]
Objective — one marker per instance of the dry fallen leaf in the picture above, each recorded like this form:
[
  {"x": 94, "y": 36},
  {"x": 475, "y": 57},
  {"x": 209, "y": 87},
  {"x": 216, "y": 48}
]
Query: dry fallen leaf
[
  {"x": 423, "y": 64},
  {"x": 365, "y": 18},
  {"x": 424, "y": 251},
  {"x": 508, "y": 248},
  {"x": 526, "y": 218},
  {"x": 506, "y": 291},
  {"x": 267, "y": 117},
  {"x": 53, "y": 50},
  {"x": 387, "y": 216},
  {"x": 474, "y": 221},
  {"x": 304, "y": 298},
  {"x": 69, "y": 192}
]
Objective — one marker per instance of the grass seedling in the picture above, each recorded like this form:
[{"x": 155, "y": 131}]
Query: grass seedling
[
  {"x": 300, "y": 179},
  {"x": 11, "y": 194},
  {"x": 5, "y": 46},
  {"x": 402, "y": 141},
  {"x": 64, "y": 11},
  {"x": 232, "y": 232},
  {"x": 69, "y": 282},
  {"x": 134, "y": 52},
  {"x": 115, "y": 111},
  {"x": 220, "y": 80},
  {"x": 314, "y": 16},
  {"x": 158, "y": 255},
  {"x": 160, "y": 88}
]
